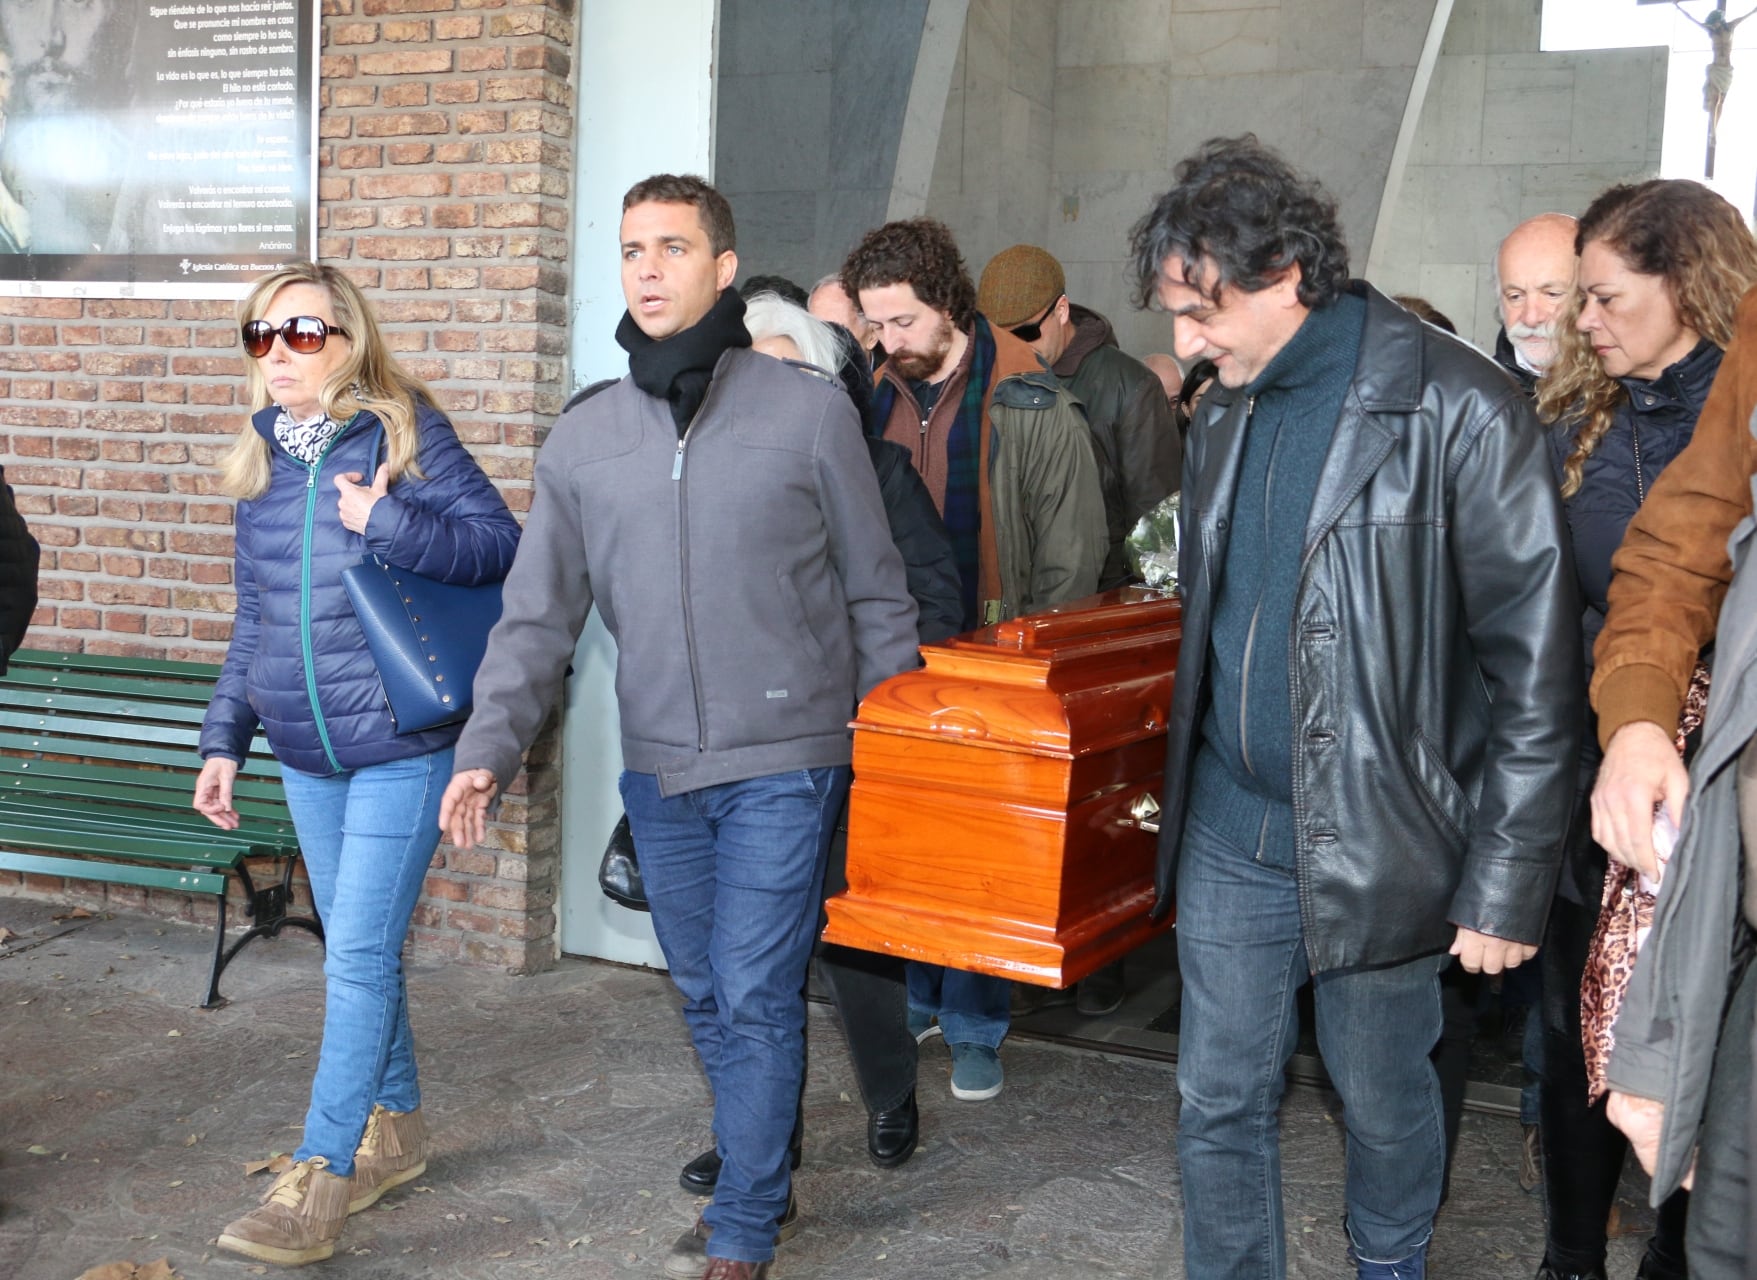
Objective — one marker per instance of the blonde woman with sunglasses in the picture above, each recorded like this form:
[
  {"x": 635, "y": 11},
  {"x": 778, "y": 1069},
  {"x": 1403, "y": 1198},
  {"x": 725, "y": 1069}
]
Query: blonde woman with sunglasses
[{"x": 344, "y": 454}]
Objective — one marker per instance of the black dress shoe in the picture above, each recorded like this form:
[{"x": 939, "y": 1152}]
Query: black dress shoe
[
  {"x": 700, "y": 1175},
  {"x": 891, "y": 1135},
  {"x": 1549, "y": 1271}
]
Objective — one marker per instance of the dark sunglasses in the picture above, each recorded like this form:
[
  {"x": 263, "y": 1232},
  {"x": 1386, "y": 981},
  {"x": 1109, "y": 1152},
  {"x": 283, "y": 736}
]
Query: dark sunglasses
[
  {"x": 304, "y": 334},
  {"x": 1032, "y": 330}
]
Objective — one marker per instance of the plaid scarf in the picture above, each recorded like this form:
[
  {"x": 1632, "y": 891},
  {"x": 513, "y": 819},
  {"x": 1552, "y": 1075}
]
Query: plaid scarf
[{"x": 963, "y": 508}]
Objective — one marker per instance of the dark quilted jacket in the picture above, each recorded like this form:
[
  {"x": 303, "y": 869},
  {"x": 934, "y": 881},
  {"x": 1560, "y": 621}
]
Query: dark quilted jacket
[{"x": 325, "y": 713}]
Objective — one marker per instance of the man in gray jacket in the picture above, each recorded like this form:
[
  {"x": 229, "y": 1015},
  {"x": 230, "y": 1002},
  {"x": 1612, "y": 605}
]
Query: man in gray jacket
[{"x": 720, "y": 509}]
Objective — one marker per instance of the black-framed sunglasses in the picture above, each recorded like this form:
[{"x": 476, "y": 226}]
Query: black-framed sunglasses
[
  {"x": 1032, "y": 330},
  {"x": 304, "y": 334}
]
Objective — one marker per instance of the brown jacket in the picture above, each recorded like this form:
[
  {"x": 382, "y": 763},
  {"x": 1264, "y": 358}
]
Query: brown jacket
[{"x": 1672, "y": 571}]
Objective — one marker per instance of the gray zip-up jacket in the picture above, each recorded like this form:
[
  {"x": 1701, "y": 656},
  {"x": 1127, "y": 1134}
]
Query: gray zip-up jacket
[{"x": 746, "y": 572}]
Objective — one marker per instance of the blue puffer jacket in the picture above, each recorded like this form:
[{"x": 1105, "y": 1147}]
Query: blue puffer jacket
[{"x": 298, "y": 663}]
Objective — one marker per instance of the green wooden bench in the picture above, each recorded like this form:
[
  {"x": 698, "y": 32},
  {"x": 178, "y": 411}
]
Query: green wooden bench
[{"x": 97, "y": 771}]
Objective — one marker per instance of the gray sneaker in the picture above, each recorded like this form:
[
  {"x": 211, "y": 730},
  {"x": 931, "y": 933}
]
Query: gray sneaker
[{"x": 976, "y": 1072}]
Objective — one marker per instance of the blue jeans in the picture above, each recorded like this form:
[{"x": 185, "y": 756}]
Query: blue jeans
[
  {"x": 1243, "y": 960},
  {"x": 734, "y": 874},
  {"x": 972, "y": 1008},
  {"x": 368, "y": 838}
]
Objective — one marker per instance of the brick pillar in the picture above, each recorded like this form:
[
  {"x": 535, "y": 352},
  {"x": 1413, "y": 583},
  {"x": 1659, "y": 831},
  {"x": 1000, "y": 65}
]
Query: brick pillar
[{"x": 445, "y": 179}]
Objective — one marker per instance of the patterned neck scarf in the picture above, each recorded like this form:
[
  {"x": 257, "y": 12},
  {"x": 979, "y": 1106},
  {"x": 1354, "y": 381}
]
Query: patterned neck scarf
[{"x": 306, "y": 440}]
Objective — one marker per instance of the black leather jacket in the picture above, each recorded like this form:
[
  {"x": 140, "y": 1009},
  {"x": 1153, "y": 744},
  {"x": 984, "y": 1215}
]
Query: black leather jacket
[{"x": 1435, "y": 667}]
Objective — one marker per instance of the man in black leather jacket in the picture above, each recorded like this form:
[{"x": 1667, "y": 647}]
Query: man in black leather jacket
[{"x": 1375, "y": 710}]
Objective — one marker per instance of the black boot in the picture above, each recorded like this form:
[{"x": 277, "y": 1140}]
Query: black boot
[
  {"x": 891, "y": 1135},
  {"x": 700, "y": 1175}
]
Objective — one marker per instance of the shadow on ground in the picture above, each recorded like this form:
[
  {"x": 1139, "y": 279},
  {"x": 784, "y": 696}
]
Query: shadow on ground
[{"x": 562, "y": 1107}]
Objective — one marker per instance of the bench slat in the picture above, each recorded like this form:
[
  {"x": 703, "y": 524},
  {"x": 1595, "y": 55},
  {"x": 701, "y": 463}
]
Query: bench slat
[
  {"x": 174, "y": 853},
  {"x": 141, "y": 877},
  {"x": 167, "y": 667},
  {"x": 26, "y": 680},
  {"x": 112, "y": 706},
  {"x": 185, "y": 824}
]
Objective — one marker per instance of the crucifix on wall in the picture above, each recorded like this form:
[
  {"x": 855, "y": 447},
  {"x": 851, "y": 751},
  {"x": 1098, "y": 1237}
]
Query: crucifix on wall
[{"x": 1719, "y": 81}]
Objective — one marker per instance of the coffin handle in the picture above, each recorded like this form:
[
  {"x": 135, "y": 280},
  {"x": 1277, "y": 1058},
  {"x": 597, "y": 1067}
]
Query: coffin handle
[{"x": 1143, "y": 813}]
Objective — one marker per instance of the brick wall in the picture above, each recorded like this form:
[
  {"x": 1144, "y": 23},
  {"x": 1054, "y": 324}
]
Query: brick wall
[{"x": 445, "y": 176}]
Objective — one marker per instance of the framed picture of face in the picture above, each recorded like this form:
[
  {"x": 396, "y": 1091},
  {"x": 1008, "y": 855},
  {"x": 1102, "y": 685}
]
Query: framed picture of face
[{"x": 151, "y": 149}]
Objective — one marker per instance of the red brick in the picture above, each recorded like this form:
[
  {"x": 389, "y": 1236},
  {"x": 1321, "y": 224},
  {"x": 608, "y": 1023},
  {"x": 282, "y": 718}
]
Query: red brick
[
  {"x": 407, "y": 94},
  {"x": 353, "y": 32},
  {"x": 466, "y": 28},
  {"x": 398, "y": 217},
  {"x": 410, "y": 152},
  {"x": 404, "y": 186},
  {"x": 403, "y": 248},
  {"x": 451, "y": 92},
  {"x": 360, "y": 156}
]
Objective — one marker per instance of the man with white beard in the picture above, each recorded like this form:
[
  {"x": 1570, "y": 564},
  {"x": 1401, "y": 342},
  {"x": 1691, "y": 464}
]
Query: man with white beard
[{"x": 1534, "y": 276}]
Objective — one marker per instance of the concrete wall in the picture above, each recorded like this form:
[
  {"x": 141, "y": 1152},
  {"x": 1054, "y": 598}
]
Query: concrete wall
[
  {"x": 1506, "y": 132},
  {"x": 810, "y": 109},
  {"x": 1137, "y": 84}
]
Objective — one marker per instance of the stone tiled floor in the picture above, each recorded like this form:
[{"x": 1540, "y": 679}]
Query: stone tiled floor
[{"x": 563, "y": 1106}]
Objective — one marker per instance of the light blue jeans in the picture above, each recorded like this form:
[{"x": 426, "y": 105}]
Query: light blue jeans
[
  {"x": 734, "y": 874},
  {"x": 1243, "y": 960},
  {"x": 368, "y": 838},
  {"x": 972, "y": 1008}
]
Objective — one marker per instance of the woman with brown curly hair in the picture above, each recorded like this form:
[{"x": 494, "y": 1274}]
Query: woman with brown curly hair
[{"x": 1662, "y": 267}]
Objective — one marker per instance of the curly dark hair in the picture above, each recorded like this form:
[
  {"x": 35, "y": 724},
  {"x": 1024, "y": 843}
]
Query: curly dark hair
[
  {"x": 921, "y": 253},
  {"x": 1239, "y": 205},
  {"x": 686, "y": 188},
  {"x": 1679, "y": 230}
]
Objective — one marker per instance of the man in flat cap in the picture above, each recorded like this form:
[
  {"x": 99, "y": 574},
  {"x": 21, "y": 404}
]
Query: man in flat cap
[{"x": 1134, "y": 433}]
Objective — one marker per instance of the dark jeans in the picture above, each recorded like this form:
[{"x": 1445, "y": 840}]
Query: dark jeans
[
  {"x": 1720, "y": 1208},
  {"x": 871, "y": 995},
  {"x": 1243, "y": 960},
  {"x": 1583, "y": 1152},
  {"x": 734, "y": 874}
]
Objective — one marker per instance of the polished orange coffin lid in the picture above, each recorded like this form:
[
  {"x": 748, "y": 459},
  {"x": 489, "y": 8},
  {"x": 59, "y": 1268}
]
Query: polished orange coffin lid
[{"x": 990, "y": 826}]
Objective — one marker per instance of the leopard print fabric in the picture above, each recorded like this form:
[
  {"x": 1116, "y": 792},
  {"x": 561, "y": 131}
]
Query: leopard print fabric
[{"x": 1625, "y": 915}]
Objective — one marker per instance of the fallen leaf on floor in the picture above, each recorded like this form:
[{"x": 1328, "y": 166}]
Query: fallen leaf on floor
[
  {"x": 177, "y": 1183},
  {"x": 498, "y": 1218},
  {"x": 173, "y": 1033},
  {"x": 39, "y": 1150},
  {"x": 538, "y": 1240},
  {"x": 192, "y": 1139},
  {"x": 645, "y": 1195},
  {"x": 504, "y": 1253},
  {"x": 160, "y": 1270},
  {"x": 6, "y": 935},
  {"x": 277, "y": 1163},
  {"x": 428, "y": 1190},
  {"x": 78, "y": 913}
]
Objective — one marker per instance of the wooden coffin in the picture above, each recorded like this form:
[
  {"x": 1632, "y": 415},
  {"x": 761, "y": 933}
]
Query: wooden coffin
[{"x": 990, "y": 826}]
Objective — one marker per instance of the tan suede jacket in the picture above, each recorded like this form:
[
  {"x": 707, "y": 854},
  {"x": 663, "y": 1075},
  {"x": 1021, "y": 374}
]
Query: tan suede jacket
[{"x": 1672, "y": 571}]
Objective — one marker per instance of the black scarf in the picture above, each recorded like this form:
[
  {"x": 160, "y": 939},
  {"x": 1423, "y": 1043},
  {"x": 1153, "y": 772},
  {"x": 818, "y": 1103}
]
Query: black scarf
[{"x": 678, "y": 369}]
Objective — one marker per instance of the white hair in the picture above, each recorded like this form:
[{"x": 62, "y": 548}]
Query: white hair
[{"x": 769, "y": 315}]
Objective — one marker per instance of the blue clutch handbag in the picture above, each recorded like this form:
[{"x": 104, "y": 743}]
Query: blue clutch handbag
[{"x": 426, "y": 637}]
